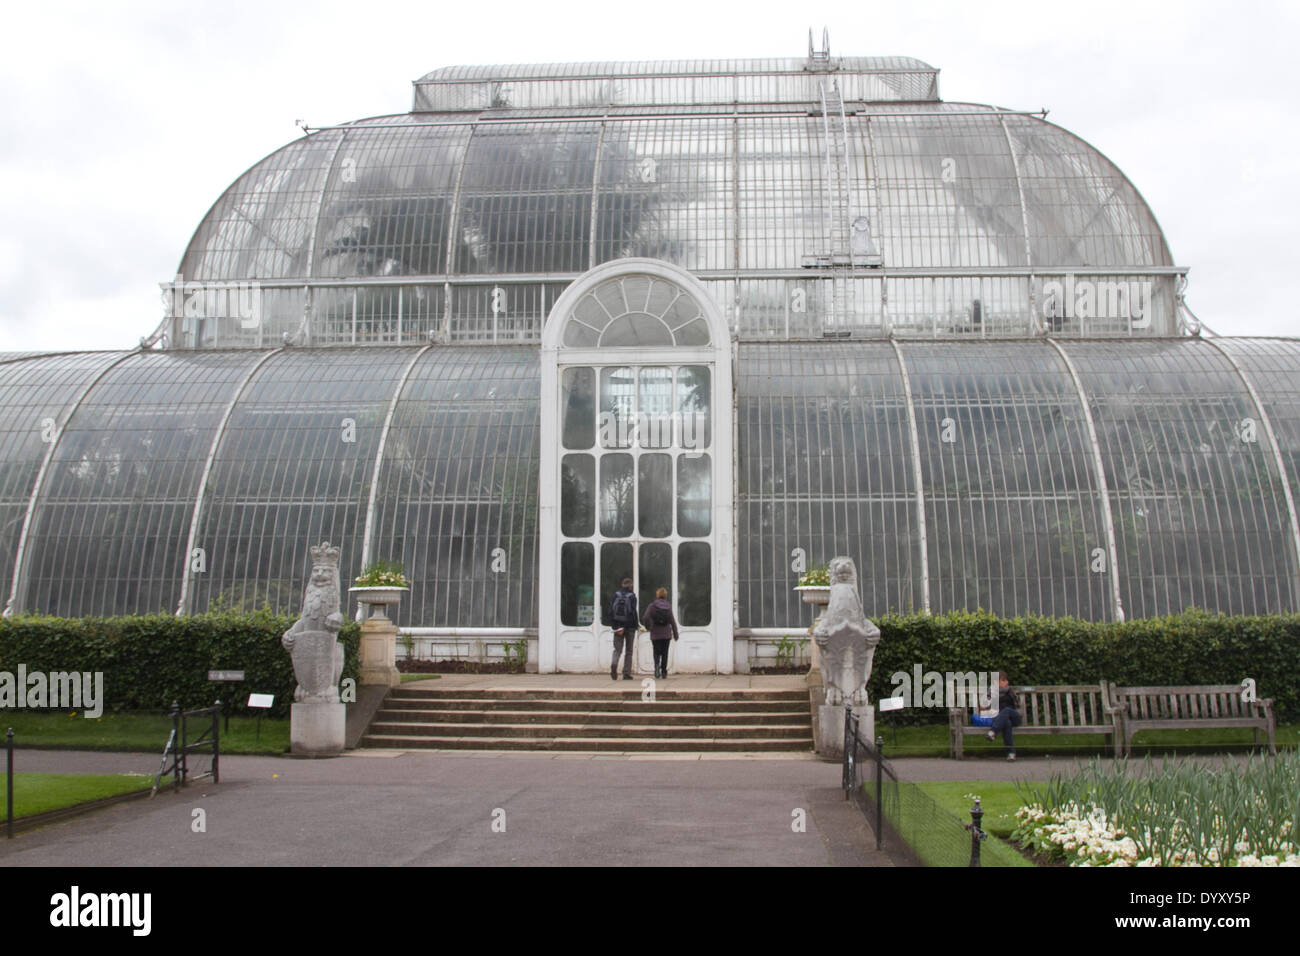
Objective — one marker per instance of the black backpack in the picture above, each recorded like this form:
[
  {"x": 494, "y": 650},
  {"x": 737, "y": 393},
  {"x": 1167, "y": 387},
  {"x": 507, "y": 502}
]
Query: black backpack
[
  {"x": 621, "y": 609},
  {"x": 661, "y": 617}
]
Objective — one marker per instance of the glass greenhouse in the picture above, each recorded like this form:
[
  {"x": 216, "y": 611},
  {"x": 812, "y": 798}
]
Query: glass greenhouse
[{"x": 698, "y": 323}]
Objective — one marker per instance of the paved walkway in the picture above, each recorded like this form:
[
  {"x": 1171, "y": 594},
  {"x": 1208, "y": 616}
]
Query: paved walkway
[
  {"x": 464, "y": 808},
  {"x": 908, "y": 768},
  {"x": 382, "y": 808}
]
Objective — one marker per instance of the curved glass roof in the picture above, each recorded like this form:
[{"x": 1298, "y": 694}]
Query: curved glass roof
[
  {"x": 669, "y": 68},
  {"x": 896, "y": 214},
  {"x": 679, "y": 82},
  {"x": 1020, "y": 507},
  {"x": 394, "y": 196}
]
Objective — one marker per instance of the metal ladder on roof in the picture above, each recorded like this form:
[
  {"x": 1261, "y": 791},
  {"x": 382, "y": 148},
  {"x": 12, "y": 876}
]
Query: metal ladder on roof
[
  {"x": 819, "y": 60},
  {"x": 837, "y": 251}
]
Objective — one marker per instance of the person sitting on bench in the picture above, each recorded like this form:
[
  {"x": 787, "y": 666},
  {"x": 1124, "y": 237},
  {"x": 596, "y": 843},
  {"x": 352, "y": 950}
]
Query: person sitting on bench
[{"x": 1008, "y": 716}]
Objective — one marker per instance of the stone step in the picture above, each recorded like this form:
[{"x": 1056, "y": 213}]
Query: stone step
[
  {"x": 593, "y": 744},
  {"x": 406, "y": 702},
  {"x": 636, "y": 731},
  {"x": 614, "y": 719},
  {"x": 631, "y": 693},
  {"x": 389, "y": 714}
]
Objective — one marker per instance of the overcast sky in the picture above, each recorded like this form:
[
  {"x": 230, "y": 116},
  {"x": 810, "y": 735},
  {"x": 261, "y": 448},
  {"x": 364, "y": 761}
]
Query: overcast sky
[{"x": 123, "y": 122}]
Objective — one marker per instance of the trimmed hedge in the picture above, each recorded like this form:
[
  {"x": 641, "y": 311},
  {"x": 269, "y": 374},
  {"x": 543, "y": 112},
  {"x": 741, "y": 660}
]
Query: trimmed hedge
[
  {"x": 1194, "y": 647},
  {"x": 150, "y": 661}
]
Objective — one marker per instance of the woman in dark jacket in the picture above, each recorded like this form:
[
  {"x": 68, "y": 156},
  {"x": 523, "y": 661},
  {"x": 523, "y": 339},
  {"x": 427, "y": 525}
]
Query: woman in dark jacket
[{"x": 662, "y": 623}]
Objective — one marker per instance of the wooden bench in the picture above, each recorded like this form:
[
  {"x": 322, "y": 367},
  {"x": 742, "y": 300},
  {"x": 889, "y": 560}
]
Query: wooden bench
[
  {"x": 1046, "y": 709},
  {"x": 1187, "y": 708}
]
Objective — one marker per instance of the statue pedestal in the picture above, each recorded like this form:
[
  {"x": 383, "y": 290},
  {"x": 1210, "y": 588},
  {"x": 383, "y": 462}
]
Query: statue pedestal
[
  {"x": 379, "y": 652},
  {"x": 317, "y": 727},
  {"x": 828, "y": 728},
  {"x": 814, "y": 676}
]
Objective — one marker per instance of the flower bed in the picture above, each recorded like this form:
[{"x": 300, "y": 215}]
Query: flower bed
[{"x": 1184, "y": 814}]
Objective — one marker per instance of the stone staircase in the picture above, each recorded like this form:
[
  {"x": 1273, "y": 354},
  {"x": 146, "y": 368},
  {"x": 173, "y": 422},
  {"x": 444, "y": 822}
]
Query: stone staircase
[{"x": 743, "y": 720}]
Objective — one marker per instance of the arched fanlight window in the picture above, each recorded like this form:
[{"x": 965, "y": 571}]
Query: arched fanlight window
[{"x": 636, "y": 311}]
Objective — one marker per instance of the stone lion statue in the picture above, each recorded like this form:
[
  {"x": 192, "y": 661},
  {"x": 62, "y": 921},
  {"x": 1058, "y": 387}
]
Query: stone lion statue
[
  {"x": 846, "y": 639},
  {"x": 312, "y": 642}
]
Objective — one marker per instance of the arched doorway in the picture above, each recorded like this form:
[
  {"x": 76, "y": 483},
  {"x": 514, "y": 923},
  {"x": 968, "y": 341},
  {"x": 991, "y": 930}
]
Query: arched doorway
[{"x": 636, "y": 462}]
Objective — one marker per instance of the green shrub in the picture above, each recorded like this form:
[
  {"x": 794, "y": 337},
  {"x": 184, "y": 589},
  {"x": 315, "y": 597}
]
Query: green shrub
[
  {"x": 1194, "y": 647},
  {"x": 150, "y": 661}
]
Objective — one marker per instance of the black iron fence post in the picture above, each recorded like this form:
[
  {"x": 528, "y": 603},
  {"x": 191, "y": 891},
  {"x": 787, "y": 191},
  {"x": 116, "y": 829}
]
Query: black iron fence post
[
  {"x": 880, "y": 788},
  {"x": 179, "y": 755},
  {"x": 216, "y": 743},
  {"x": 9, "y": 783},
  {"x": 976, "y": 833},
  {"x": 849, "y": 778}
]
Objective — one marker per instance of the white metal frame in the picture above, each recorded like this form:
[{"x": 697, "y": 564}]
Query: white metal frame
[
  {"x": 18, "y": 586},
  {"x": 717, "y": 356},
  {"x": 1278, "y": 462},
  {"x": 196, "y": 516},
  {"x": 1103, "y": 487},
  {"x": 919, "y": 477}
]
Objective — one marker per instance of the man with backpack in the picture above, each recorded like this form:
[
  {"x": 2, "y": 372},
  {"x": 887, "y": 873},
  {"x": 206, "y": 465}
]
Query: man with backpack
[
  {"x": 621, "y": 615},
  {"x": 662, "y": 623}
]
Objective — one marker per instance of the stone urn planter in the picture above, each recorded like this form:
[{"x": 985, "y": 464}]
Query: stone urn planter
[
  {"x": 819, "y": 594},
  {"x": 379, "y": 635},
  {"x": 378, "y": 599}
]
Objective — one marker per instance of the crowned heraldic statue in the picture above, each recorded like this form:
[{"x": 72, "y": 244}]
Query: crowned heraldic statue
[
  {"x": 846, "y": 643},
  {"x": 317, "y": 717}
]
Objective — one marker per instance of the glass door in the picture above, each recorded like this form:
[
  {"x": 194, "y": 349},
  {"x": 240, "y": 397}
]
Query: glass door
[{"x": 636, "y": 501}]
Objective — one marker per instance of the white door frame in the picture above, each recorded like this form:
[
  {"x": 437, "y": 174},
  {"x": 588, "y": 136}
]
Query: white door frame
[{"x": 717, "y": 356}]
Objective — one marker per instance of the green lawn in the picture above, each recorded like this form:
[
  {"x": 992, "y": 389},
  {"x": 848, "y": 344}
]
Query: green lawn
[
  {"x": 932, "y": 822},
  {"x": 137, "y": 732},
  {"x": 40, "y": 792},
  {"x": 407, "y": 678},
  {"x": 999, "y": 800},
  {"x": 931, "y": 740}
]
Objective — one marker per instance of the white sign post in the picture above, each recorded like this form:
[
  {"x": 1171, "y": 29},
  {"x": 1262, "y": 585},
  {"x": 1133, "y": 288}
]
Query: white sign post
[{"x": 261, "y": 702}]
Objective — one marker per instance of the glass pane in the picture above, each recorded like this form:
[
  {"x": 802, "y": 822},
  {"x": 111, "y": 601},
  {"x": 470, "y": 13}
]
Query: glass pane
[
  {"x": 655, "y": 480},
  {"x": 616, "y": 488},
  {"x": 694, "y": 495},
  {"x": 655, "y": 407},
  {"x": 694, "y": 407},
  {"x": 281, "y": 476},
  {"x": 1198, "y": 515},
  {"x": 635, "y": 330},
  {"x": 825, "y": 458},
  {"x": 579, "y": 336},
  {"x": 577, "y": 495},
  {"x": 656, "y": 567},
  {"x": 1009, "y": 492},
  {"x": 615, "y": 565},
  {"x": 577, "y": 603},
  {"x": 579, "y": 404},
  {"x": 464, "y": 431},
  {"x": 616, "y": 408},
  {"x": 693, "y": 334},
  {"x": 694, "y": 584}
]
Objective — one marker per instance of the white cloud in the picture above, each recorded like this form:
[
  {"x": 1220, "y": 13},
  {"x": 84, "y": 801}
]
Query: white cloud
[{"x": 124, "y": 122}]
